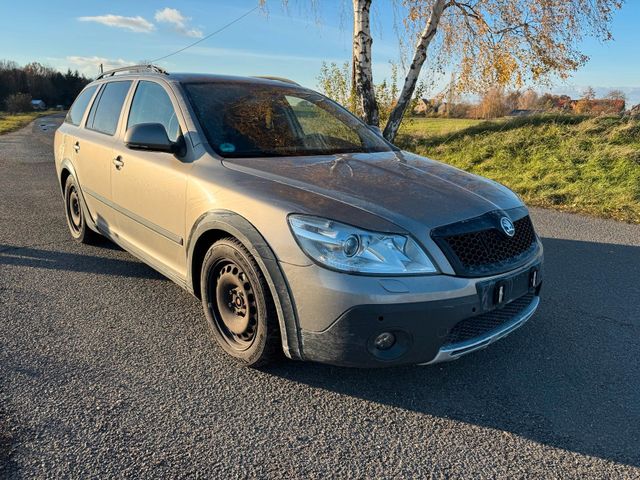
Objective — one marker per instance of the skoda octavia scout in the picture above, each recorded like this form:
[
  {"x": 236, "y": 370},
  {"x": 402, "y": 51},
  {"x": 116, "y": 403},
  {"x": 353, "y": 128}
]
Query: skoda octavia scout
[{"x": 300, "y": 228}]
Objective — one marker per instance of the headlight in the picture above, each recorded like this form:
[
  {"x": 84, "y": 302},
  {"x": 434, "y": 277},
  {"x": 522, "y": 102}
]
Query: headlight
[{"x": 351, "y": 249}]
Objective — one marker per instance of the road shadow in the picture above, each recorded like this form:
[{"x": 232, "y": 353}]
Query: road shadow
[
  {"x": 76, "y": 262},
  {"x": 569, "y": 378},
  {"x": 7, "y": 463}
]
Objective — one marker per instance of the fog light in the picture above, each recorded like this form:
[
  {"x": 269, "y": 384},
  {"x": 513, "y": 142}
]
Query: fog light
[{"x": 384, "y": 341}]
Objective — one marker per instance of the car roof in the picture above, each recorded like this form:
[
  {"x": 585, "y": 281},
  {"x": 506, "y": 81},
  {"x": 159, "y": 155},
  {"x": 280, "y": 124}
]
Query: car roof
[
  {"x": 202, "y": 78},
  {"x": 216, "y": 78}
]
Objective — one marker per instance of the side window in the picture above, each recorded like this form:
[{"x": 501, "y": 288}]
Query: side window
[
  {"x": 151, "y": 104},
  {"x": 76, "y": 112},
  {"x": 105, "y": 111}
]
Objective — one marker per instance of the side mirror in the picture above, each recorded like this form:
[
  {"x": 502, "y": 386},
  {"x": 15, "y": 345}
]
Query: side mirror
[{"x": 150, "y": 136}]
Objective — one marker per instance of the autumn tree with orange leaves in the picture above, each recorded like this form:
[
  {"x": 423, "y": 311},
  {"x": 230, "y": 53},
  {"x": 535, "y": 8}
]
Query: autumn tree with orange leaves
[{"x": 487, "y": 43}]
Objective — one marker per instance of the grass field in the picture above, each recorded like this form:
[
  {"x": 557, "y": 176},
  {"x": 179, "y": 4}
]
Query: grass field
[
  {"x": 9, "y": 123},
  {"x": 428, "y": 127},
  {"x": 579, "y": 164}
]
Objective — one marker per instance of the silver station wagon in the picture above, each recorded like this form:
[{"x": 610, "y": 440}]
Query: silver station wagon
[{"x": 301, "y": 229}]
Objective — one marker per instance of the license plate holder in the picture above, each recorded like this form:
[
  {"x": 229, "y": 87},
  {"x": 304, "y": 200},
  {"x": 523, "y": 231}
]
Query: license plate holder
[{"x": 502, "y": 290}]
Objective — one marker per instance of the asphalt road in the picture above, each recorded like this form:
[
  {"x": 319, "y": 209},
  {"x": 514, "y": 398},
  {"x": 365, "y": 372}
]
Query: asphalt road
[{"x": 106, "y": 369}]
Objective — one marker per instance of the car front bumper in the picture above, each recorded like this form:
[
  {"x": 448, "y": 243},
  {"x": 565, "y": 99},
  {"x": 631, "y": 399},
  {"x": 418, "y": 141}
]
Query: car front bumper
[
  {"x": 453, "y": 351},
  {"x": 341, "y": 315}
]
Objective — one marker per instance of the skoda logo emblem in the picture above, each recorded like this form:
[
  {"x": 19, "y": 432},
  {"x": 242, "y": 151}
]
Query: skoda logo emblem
[{"x": 507, "y": 227}]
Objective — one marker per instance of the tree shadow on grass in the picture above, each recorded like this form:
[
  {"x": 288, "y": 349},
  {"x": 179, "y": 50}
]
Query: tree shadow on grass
[
  {"x": 569, "y": 378},
  {"x": 490, "y": 127}
]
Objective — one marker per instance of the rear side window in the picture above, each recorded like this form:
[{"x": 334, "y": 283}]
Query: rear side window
[
  {"x": 105, "y": 111},
  {"x": 151, "y": 104},
  {"x": 76, "y": 112}
]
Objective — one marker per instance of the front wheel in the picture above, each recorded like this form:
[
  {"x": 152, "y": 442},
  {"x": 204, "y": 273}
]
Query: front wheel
[
  {"x": 238, "y": 305},
  {"x": 75, "y": 214}
]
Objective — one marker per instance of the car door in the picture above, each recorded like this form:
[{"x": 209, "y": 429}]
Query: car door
[
  {"x": 71, "y": 129},
  {"x": 149, "y": 188},
  {"x": 94, "y": 147}
]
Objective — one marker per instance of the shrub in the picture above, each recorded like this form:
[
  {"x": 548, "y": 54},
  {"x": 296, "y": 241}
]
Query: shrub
[{"x": 18, "y": 102}]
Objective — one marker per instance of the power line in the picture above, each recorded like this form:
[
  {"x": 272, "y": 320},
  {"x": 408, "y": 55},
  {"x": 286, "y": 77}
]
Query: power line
[{"x": 224, "y": 27}]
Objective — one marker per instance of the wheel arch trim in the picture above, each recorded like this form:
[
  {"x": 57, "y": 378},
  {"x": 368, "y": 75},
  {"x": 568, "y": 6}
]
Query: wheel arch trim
[
  {"x": 235, "y": 225},
  {"x": 68, "y": 166}
]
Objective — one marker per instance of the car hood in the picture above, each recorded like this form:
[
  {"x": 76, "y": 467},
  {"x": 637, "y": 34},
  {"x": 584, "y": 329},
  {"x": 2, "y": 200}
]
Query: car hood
[{"x": 403, "y": 188}]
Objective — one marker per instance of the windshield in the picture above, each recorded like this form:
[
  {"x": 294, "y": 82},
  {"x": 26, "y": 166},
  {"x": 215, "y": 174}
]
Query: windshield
[{"x": 249, "y": 120}]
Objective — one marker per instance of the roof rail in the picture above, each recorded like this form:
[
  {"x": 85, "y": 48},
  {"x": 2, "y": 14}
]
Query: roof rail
[
  {"x": 278, "y": 79},
  {"x": 133, "y": 69}
]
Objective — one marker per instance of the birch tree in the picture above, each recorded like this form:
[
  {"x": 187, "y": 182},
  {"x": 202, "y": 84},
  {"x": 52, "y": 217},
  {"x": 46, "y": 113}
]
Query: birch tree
[
  {"x": 485, "y": 42},
  {"x": 362, "y": 72}
]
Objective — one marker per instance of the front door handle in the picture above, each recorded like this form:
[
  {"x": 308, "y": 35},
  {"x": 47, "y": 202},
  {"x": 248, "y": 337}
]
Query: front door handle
[
  {"x": 76, "y": 146},
  {"x": 118, "y": 162}
]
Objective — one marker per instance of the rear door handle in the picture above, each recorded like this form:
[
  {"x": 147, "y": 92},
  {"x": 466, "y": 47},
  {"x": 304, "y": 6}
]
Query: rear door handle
[
  {"x": 118, "y": 162},
  {"x": 76, "y": 146}
]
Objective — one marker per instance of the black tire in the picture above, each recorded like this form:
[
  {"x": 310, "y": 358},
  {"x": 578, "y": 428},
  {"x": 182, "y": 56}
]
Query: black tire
[
  {"x": 75, "y": 213},
  {"x": 238, "y": 305}
]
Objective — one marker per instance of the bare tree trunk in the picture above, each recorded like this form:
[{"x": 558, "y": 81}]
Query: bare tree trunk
[
  {"x": 420, "y": 55},
  {"x": 362, "y": 73}
]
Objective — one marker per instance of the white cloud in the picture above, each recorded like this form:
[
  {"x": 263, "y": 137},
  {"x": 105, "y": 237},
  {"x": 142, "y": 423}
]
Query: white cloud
[
  {"x": 90, "y": 66},
  {"x": 171, "y": 15},
  {"x": 194, "y": 32},
  {"x": 179, "y": 21},
  {"x": 136, "y": 24}
]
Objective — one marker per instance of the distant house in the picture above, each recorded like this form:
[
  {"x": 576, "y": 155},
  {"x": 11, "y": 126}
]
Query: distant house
[
  {"x": 563, "y": 102},
  {"x": 606, "y": 106},
  {"x": 600, "y": 106},
  {"x": 430, "y": 106},
  {"x": 38, "y": 105}
]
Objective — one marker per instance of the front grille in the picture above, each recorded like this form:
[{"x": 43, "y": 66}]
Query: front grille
[
  {"x": 482, "y": 324},
  {"x": 486, "y": 250}
]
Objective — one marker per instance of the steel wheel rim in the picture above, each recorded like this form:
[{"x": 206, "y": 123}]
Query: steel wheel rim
[
  {"x": 233, "y": 302},
  {"x": 74, "y": 210}
]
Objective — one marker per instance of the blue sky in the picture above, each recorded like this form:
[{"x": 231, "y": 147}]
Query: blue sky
[{"x": 293, "y": 43}]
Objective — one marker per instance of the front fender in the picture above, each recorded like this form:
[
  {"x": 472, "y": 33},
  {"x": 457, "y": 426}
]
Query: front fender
[{"x": 239, "y": 227}]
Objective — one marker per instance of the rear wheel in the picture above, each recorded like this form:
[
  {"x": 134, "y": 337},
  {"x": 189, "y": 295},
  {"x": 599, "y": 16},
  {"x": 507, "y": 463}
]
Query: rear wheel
[
  {"x": 238, "y": 305},
  {"x": 75, "y": 214}
]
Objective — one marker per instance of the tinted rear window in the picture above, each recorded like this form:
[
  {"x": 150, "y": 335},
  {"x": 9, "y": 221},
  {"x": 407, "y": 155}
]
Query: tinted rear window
[
  {"x": 105, "y": 112},
  {"x": 76, "y": 112}
]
